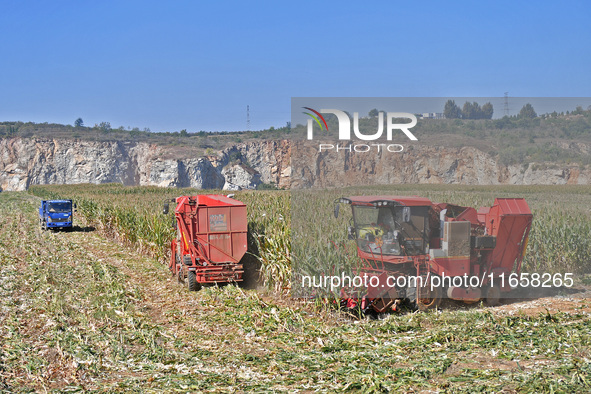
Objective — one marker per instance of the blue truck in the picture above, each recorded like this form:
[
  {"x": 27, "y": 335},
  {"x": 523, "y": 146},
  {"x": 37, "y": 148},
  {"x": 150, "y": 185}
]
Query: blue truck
[{"x": 56, "y": 214}]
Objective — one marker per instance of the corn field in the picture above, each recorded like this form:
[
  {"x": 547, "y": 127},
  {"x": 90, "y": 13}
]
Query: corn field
[
  {"x": 133, "y": 216},
  {"x": 287, "y": 226},
  {"x": 82, "y": 313}
]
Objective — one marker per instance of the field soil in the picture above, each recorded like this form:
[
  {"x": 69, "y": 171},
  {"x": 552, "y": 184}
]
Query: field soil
[{"x": 79, "y": 311}]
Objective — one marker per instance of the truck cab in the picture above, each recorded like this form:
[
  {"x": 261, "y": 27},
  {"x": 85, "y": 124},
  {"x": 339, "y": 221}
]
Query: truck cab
[{"x": 56, "y": 214}]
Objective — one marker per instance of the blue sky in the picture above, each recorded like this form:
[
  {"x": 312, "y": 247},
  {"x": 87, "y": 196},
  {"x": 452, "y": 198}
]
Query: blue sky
[{"x": 196, "y": 65}]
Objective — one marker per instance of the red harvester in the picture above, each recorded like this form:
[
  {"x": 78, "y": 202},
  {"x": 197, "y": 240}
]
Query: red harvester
[
  {"x": 412, "y": 236},
  {"x": 211, "y": 239}
]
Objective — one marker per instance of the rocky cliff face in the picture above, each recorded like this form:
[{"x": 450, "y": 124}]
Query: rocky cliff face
[
  {"x": 28, "y": 161},
  {"x": 422, "y": 164},
  {"x": 25, "y": 162}
]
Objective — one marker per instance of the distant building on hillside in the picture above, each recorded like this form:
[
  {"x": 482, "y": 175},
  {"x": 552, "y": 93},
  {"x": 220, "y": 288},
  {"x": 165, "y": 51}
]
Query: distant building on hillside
[{"x": 433, "y": 115}]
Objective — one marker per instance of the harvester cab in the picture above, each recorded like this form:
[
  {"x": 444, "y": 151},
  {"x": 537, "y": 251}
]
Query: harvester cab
[
  {"x": 387, "y": 227},
  {"x": 424, "y": 243},
  {"x": 211, "y": 239}
]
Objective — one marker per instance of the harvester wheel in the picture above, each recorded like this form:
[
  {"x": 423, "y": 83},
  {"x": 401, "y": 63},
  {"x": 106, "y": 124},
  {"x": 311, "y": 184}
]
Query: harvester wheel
[
  {"x": 423, "y": 298},
  {"x": 493, "y": 296},
  {"x": 192, "y": 281},
  {"x": 427, "y": 298}
]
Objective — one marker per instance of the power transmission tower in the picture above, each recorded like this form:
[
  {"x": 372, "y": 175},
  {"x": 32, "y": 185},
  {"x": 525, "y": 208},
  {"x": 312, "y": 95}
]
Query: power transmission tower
[
  {"x": 247, "y": 118},
  {"x": 506, "y": 103}
]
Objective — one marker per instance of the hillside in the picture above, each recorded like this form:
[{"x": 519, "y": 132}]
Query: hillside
[
  {"x": 181, "y": 143},
  {"x": 35, "y": 161},
  {"x": 543, "y": 150},
  {"x": 558, "y": 138}
]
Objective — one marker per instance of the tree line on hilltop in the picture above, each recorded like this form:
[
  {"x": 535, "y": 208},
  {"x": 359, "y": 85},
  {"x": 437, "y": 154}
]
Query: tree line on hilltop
[
  {"x": 474, "y": 111},
  {"x": 469, "y": 111}
]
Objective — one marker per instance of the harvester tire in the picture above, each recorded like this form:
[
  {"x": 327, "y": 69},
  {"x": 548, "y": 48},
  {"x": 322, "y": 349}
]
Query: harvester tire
[
  {"x": 192, "y": 281},
  {"x": 493, "y": 296}
]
